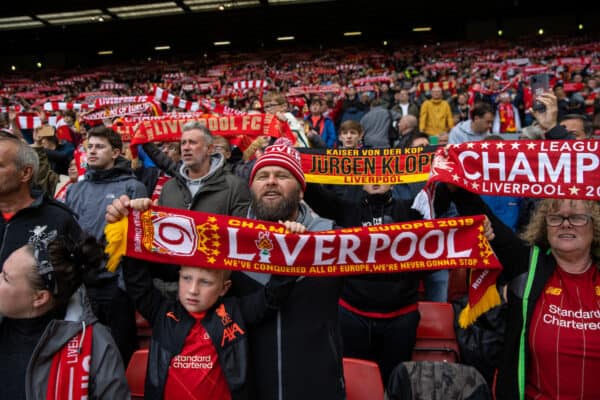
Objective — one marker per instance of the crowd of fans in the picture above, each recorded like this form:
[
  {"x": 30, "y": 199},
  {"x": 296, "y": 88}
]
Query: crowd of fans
[{"x": 64, "y": 170}]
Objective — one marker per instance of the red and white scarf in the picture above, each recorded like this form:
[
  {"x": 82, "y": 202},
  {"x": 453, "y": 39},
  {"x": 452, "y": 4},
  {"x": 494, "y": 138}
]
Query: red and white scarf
[
  {"x": 63, "y": 106},
  {"x": 69, "y": 376},
  {"x": 522, "y": 168},
  {"x": 28, "y": 121}
]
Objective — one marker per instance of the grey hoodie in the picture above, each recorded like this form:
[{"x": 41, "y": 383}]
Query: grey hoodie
[
  {"x": 462, "y": 133},
  {"x": 107, "y": 375}
]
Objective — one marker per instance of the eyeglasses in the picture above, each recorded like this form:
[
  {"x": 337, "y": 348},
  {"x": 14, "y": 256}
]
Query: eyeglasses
[
  {"x": 218, "y": 147},
  {"x": 574, "y": 219},
  {"x": 274, "y": 105}
]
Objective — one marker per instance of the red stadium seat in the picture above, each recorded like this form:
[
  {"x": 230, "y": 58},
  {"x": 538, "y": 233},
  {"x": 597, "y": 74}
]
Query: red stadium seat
[
  {"x": 436, "y": 338},
  {"x": 144, "y": 331},
  {"x": 136, "y": 373},
  {"x": 363, "y": 380}
]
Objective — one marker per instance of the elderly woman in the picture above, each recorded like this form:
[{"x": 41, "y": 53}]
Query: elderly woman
[
  {"x": 552, "y": 343},
  {"x": 50, "y": 344}
]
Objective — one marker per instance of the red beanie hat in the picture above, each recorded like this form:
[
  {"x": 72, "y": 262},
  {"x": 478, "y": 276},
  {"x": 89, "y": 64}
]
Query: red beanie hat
[{"x": 281, "y": 154}]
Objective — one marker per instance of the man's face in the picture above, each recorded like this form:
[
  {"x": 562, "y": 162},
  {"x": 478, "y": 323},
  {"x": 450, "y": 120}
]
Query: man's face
[
  {"x": 68, "y": 120},
  {"x": 10, "y": 177},
  {"x": 100, "y": 154},
  {"x": 221, "y": 145},
  {"x": 172, "y": 151},
  {"x": 276, "y": 194},
  {"x": 315, "y": 108},
  {"x": 350, "y": 138},
  {"x": 404, "y": 126},
  {"x": 483, "y": 124},
  {"x": 575, "y": 126},
  {"x": 195, "y": 152},
  {"x": 436, "y": 93},
  {"x": 403, "y": 96}
]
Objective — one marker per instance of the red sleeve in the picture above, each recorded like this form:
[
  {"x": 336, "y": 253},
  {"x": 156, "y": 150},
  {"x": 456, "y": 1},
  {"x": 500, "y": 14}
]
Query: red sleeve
[{"x": 337, "y": 109}]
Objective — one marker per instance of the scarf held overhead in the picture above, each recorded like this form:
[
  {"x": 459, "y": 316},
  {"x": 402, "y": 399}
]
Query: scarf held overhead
[
  {"x": 228, "y": 126},
  {"x": 183, "y": 237},
  {"x": 175, "y": 236},
  {"x": 366, "y": 166},
  {"x": 540, "y": 168}
]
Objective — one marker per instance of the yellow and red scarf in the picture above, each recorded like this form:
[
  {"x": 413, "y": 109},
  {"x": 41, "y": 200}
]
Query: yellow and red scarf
[{"x": 174, "y": 236}]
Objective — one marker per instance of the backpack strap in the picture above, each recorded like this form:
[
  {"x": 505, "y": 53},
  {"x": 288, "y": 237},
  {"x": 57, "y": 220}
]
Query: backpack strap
[{"x": 521, "y": 366}]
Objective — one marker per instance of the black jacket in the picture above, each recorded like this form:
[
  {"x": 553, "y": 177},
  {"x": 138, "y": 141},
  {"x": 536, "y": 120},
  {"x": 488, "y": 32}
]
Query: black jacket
[
  {"x": 44, "y": 216},
  {"x": 298, "y": 355},
  {"x": 381, "y": 293},
  {"x": 515, "y": 256},
  {"x": 171, "y": 324}
]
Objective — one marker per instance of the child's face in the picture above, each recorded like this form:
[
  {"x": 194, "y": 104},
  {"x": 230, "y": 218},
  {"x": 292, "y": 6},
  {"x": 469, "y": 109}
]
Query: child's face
[
  {"x": 200, "y": 288},
  {"x": 350, "y": 138}
]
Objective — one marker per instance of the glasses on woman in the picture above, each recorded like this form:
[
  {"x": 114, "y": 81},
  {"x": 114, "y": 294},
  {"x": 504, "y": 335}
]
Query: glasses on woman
[{"x": 574, "y": 219}]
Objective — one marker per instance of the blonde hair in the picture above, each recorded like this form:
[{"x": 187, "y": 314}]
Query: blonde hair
[{"x": 536, "y": 232}]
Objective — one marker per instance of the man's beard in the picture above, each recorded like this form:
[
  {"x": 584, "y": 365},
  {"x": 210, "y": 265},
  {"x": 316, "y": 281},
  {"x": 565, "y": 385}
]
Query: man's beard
[{"x": 281, "y": 210}]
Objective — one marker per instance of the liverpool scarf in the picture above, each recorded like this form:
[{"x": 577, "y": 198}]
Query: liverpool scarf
[
  {"x": 538, "y": 168},
  {"x": 69, "y": 376},
  {"x": 366, "y": 166},
  {"x": 123, "y": 110},
  {"x": 183, "y": 237},
  {"x": 232, "y": 127}
]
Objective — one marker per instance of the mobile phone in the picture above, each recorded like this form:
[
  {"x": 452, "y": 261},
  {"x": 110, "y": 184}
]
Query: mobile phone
[{"x": 540, "y": 83}]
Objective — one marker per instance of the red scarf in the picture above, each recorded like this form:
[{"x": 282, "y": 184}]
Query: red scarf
[
  {"x": 123, "y": 110},
  {"x": 69, "y": 376},
  {"x": 522, "y": 168},
  {"x": 160, "y": 182},
  {"x": 232, "y": 127},
  {"x": 507, "y": 118},
  {"x": 174, "y": 236},
  {"x": 184, "y": 237},
  {"x": 61, "y": 195}
]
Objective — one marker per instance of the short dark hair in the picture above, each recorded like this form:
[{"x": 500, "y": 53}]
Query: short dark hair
[
  {"x": 103, "y": 132},
  {"x": 72, "y": 261},
  {"x": 480, "y": 109},
  {"x": 70, "y": 113},
  {"x": 418, "y": 135},
  {"x": 588, "y": 126},
  {"x": 52, "y": 139},
  {"x": 351, "y": 125}
]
